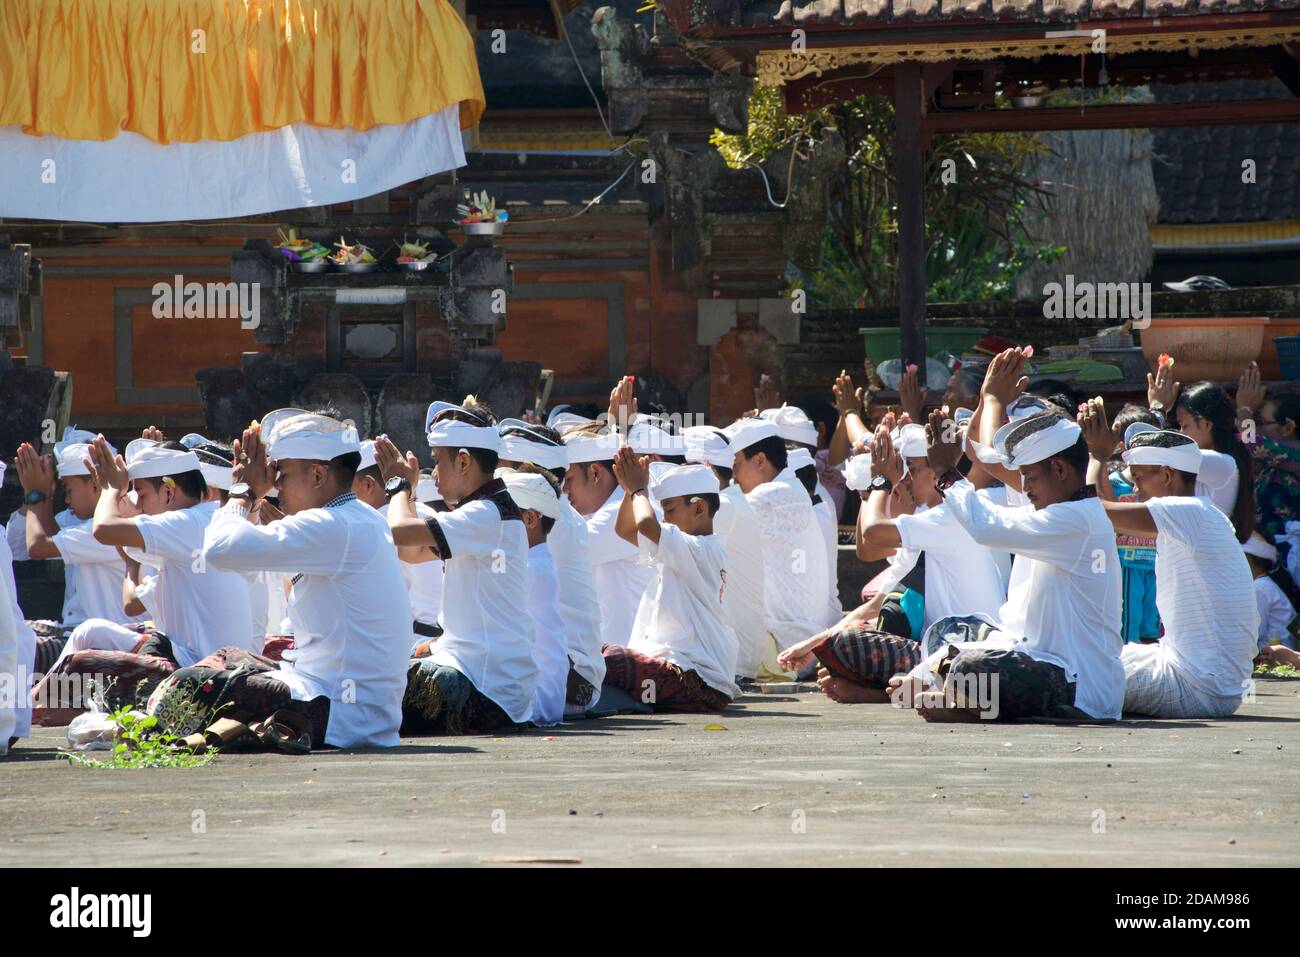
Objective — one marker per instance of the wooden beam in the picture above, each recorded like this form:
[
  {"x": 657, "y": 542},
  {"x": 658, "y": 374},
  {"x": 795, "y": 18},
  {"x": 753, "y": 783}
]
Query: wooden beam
[
  {"x": 909, "y": 166},
  {"x": 1141, "y": 116}
]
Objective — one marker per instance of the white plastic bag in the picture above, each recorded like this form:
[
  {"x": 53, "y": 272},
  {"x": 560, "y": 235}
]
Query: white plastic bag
[{"x": 92, "y": 731}]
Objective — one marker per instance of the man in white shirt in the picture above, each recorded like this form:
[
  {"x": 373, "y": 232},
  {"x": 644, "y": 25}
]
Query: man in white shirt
[
  {"x": 800, "y": 461},
  {"x": 579, "y": 609},
  {"x": 1201, "y": 666},
  {"x": 424, "y": 580},
  {"x": 737, "y": 527},
  {"x": 595, "y": 494},
  {"x": 1056, "y": 649},
  {"x": 342, "y": 681},
  {"x": 205, "y": 608},
  {"x": 794, "y": 587},
  {"x": 481, "y": 674},
  {"x": 682, "y": 656},
  {"x": 539, "y": 509}
]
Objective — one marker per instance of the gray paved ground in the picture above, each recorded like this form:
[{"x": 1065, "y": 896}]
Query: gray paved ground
[{"x": 871, "y": 785}]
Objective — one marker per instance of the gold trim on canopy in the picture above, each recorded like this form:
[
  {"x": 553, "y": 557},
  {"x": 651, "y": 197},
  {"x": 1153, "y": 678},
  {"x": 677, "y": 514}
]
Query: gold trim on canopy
[
  {"x": 191, "y": 70},
  {"x": 778, "y": 67}
]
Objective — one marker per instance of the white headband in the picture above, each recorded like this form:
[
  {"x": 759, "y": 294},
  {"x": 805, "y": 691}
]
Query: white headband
[
  {"x": 217, "y": 476},
  {"x": 1135, "y": 429},
  {"x": 566, "y": 422},
  {"x": 1260, "y": 548},
  {"x": 669, "y": 481},
  {"x": 70, "y": 458},
  {"x": 1023, "y": 406},
  {"x": 1037, "y": 447},
  {"x": 792, "y": 424},
  {"x": 530, "y": 491},
  {"x": 368, "y": 458},
  {"x": 746, "y": 432},
  {"x": 909, "y": 441},
  {"x": 1185, "y": 457},
  {"x": 145, "y": 458},
  {"x": 591, "y": 448},
  {"x": 799, "y": 458},
  {"x": 296, "y": 434},
  {"x": 454, "y": 434},
  {"x": 440, "y": 406},
  {"x": 647, "y": 439},
  {"x": 706, "y": 444}
]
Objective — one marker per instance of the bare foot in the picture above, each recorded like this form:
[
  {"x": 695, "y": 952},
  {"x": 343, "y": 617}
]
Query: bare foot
[
  {"x": 848, "y": 692},
  {"x": 931, "y": 706}
]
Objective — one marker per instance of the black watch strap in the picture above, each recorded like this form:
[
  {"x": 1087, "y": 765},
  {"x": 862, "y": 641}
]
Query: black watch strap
[{"x": 948, "y": 479}]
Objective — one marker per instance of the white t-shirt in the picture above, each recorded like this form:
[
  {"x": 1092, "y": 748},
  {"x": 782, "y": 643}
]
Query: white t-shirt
[
  {"x": 348, "y": 607},
  {"x": 1217, "y": 480},
  {"x": 736, "y": 526},
  {"x": 1206, "y": 595},
  {"x": 1275, "y": 613},
  {"x": 961, "y": 576},
  {"x": 550, "y": 652},
  {"x": 681, "y": 617},
  {"x": 92, "y": 572},
  {"x": 17, "y": 654},
  {"x": 424, "y": 580},
  {"x": 1063, "y": 606},
  {"x": 794, "y": 559},
  {"x": 579, "y": 609},
  {"x": 204, "y": 607},
  {"x": 16, "y": 536},
  {"x": 487, "y": 631},
  {"x": 619, "y": 580}
]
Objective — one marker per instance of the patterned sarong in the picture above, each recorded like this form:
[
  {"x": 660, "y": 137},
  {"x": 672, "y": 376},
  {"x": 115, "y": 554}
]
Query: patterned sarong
[
  {"x": 441, "y": 700},
  {"x": 867, "y": 657},
  {"x": 667, "y": 686}
]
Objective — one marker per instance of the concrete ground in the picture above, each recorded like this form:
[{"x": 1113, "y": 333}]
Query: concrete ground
[{"x": 790, "y": 779}]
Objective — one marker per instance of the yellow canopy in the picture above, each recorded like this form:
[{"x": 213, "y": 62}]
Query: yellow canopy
[{"x": 189, "y": 70}]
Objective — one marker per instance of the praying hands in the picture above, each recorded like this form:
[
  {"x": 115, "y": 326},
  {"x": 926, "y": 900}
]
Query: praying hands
[
  {"x": 631, "y": 470},
  {"x": 251, "y": 464},
  {"x": 392, "y": 463},
  {"x": 1003, "y": 381}
]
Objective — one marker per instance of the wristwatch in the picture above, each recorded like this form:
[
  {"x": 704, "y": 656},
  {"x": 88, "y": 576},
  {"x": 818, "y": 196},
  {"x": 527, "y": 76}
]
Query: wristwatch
[
  {"x": 1158, "y": 410},
  {"x": 881, "y": 484},
  {"x": 240, "y": 490},
  {"x": 948, "y": 479},
  {"x": 35, "y": 497},
  {"x": 397, "y": 484}
]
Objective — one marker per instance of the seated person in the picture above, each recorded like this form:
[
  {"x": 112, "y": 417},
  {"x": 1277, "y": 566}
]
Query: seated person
[
  {"x": 480, "y": 675},
  {"x": 1276, "y": 613},
  {"x": 682, "y": 656},
  {"x": 1201, "y": 667}
]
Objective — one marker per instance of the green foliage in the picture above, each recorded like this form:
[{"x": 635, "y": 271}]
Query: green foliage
[
  {"x": 978, "y": 189},
  {"x": 142, "y": 744},
  {"x": 1277, "y": 671}
]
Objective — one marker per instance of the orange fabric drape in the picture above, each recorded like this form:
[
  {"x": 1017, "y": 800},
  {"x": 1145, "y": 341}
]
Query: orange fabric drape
[{"x": 86, "y": 69}]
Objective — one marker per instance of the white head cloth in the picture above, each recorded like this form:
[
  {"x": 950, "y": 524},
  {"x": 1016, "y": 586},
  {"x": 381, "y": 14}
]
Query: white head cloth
[
  {"x": 217, "y": 476},
  {"x": 669, "y": 481},
  {"x": 1185, "y": 456},
  {"x": 454, "y": 434},
  {"x": 146, "y": 458},
  {"x": 910, "y": 442},
  {"x": 531, "y": 491},
  {"x": 591, "y": 448},
  {"x": 746, "y": 432},
  {"x": 1025, "y": 405},
  {"x": 566, "y": 422},
  {"x": 1258, "y": 546},
  {"x": 519, "y": 443},
  {"x": 1135, "y": 429},
  {"x": 70, "y": 458},
  {"x": 368, "y": 458},
  {"x": 708, "y": 445},
  {"x": 646, "y": 438},
  {"x": 297, "y": 434},
  {"x": 1039, "y": 446},
  {"x": 792, "y": 424},
  {"x": 796, "y": 459}
]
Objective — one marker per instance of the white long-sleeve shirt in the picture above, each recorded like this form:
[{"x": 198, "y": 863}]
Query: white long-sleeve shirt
[
  {"x": 348, "y": 605},
  {"x": 620, "y": 581},
  {"x": 736, "y": 526},
  {"x": 1063, "y": 606},
  {"x": 17, "y": 655},
  {"x": 794, "y": 559},
  {"x": 579, "y": 607},
  {"x": 550, "y": 652}
]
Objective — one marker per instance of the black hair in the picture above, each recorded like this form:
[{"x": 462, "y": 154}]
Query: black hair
[
  {"x": 191, "y": 483},
  {"x": 673, "y": 459},
  {"x": 547, "y": 523},
  {"x": 1211, "y": 402},
  {"x": 344, "y": 468},
  {"x": 710, "y": 499},
  {"x": 773, "y": 447},
  {"x": 1288, "y": 407},
  {"x": 1076, "y": 456},
  {"x": 808, "y": 476},
  {"x": 1134, "y": 413},
  {"x": 723, "y": 473},
  {"x": 1165, "y": 440},
  {"x": 822, "y": 413},
  {"x": 486, "y": 459},
  {"x": 1057, "y": 392}
]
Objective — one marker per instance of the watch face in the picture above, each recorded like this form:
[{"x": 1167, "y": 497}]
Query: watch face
[
  {"x": 238, "y": 490},
  {"x": 395, "y": 484}
]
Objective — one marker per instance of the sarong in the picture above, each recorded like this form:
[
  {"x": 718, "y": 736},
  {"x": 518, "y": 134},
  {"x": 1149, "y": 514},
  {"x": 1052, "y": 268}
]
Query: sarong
[
  {"x": 865, "y": 656},
  {"x": 441, "y": 700},
  {"x": 659, "y": 683}
]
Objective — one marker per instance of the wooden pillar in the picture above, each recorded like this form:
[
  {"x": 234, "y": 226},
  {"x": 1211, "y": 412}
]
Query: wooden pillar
[{"x": 909, "y": 152}]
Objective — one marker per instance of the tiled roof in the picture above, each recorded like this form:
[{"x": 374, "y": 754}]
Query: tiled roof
[
  {"x": 759, "y": 13},
  {"x": 1198, "y": 170}
]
